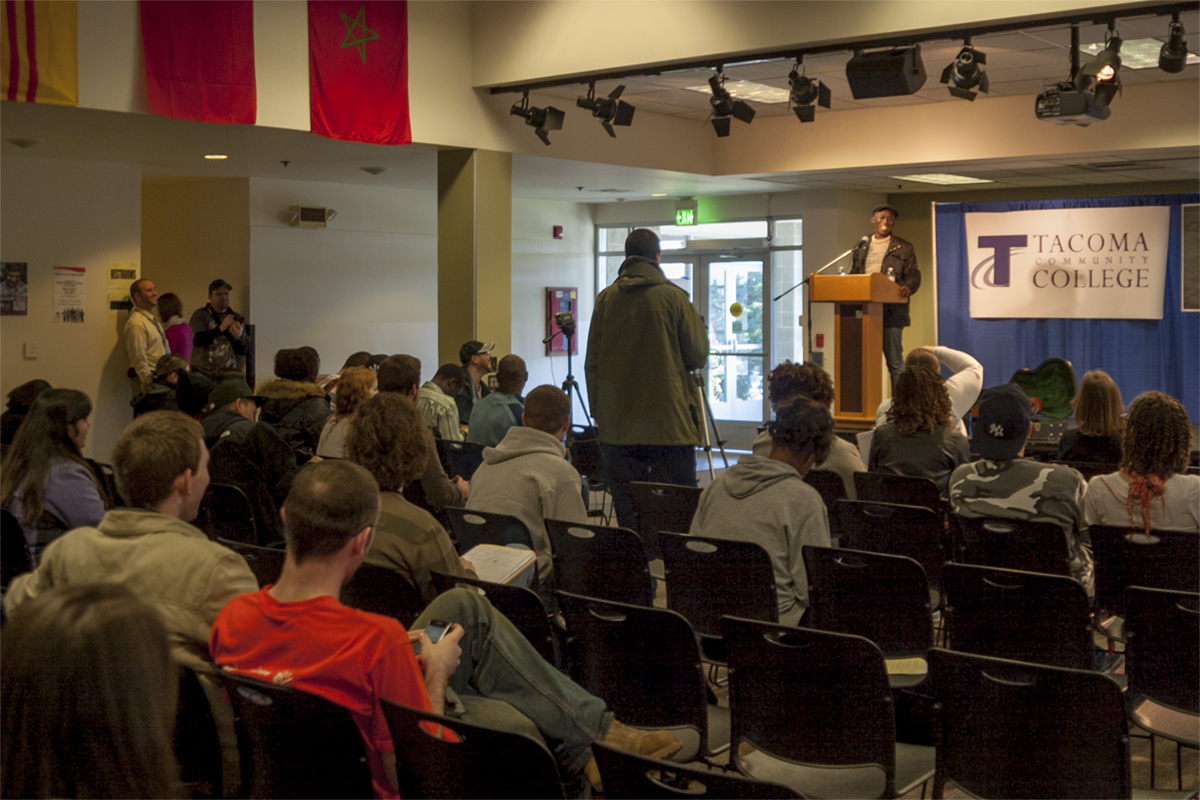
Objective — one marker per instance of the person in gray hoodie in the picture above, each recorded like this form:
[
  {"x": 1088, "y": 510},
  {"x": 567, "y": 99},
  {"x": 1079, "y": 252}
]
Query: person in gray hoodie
[
  {"x": 764, "y": 499},
  {"x": 527, "y": 475}
]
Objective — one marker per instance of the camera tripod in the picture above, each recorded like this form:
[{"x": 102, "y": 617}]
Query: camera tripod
[
  {"x": 706, "y": 410},
  {"x": 566, "y": 325}
]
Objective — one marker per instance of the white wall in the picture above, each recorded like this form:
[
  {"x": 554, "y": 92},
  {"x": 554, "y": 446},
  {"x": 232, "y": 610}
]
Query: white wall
[
  {"x": 540, "y": 261},
  {"x": 367, "y": 282},
  {"x": 72, "y": 214}
]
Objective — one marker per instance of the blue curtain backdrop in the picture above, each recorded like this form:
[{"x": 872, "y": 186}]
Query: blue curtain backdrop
[{"x": 1140, "y": 355}]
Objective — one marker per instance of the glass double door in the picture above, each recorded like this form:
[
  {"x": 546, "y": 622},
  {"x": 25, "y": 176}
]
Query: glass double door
[{"x": 729, "y": 291}]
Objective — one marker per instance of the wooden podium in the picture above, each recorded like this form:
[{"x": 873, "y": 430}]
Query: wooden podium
[{"x": 858, "y": 341}]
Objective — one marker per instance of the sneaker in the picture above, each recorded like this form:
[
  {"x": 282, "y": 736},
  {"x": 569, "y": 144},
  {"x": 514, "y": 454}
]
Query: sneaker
[{"x": 655, "y": 744}]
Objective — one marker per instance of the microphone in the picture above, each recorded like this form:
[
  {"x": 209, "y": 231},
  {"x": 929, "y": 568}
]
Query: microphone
[{"x": 862, "y": 242}]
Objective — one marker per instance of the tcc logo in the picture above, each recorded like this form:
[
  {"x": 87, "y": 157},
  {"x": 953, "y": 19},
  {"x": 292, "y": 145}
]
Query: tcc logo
[{"x": 996, "y": 268}]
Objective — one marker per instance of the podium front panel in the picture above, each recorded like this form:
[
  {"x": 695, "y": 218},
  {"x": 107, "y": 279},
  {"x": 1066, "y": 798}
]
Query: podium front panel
[{"x": 850, "y": 358}]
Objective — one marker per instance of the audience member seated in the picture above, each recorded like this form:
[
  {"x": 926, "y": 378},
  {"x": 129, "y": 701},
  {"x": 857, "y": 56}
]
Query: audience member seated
[
  {"x": 19, "y": 401},
  {"x": 295, "y": 405},
  {"x": 919, "y": 439},
  {"x": 790, "y": 380},
  {"x": 356, "y": 385},
  {"x": 527, "y": 475},
  {"x": 764, "y": 499},
  {"x": 162, "y": 393},
  {"x": 45, "y": 482},
  {"x": 88, "y": 690},
  {"x": 330, "y": 382},
  {"x": 963, "y": 386},
  {"x": 179, "y": 332},
  {"x": 482, "y": 669},
  {"x": 1005, "y": 485},
  {"x": 1099, "y": 421},
  {"x": 402, "y": 374},
  {"x": 387, "y": 440},
  {"x": 500, "y": 410},
  {"x": 435, "y": 401},
  {"x": 1152, "y": 489},
  {"x": 161, "y": 464}
]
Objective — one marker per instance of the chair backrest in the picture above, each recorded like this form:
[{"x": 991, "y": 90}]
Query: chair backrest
[
  {"x": 628, "y": 777},
  {"x": 829, "y": 484},
  {"x": 474, "y": 762},
  {"x": 1011, "y": 544},
  {"x": 296, "y": 744},
  {"x": 14, "y": 555},
  {"x": 598, "y": 561},
  {"x": 1015, "y": 730},
  {"x": 523, "y": 608},
  {"x": 1162, "y": 630},
  {"x": 265, "y": 562},
  {"x": 472, "y": 527},
  {"x": 662, "y": 507},
  {"x": 197, "y": 746},
  {"x": 1127, "y": 557},
  {"x": 107, "y": 478},
  {"x": 226, "y": 513},
  {"x": 463, "y": 458},
  {"x": 380, "y": 590},
  {"x": 900, "y": 530},
  {"x": 883, "y": 598},
  {"x": 1025, "y": 616},
  {"x": 790, "y": 687},
  {"x": 884, "y": 487},
  {"x": 708, "y": 578},
  {"x": 643, "y": 662},
  {"x": 586, "y": 454}
]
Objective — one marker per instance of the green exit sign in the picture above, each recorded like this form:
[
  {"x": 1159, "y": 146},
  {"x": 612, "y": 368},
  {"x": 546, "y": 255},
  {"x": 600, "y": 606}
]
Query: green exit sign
[{"x": 685, "y": 216}]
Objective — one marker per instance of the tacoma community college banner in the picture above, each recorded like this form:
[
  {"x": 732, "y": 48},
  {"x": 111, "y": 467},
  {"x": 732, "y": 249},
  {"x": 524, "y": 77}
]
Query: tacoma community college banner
[{"x": 1068, "y": 263}]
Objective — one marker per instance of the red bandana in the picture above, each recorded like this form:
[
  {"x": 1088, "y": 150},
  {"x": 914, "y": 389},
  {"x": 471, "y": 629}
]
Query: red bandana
[{"x": 1142, "y": 491}]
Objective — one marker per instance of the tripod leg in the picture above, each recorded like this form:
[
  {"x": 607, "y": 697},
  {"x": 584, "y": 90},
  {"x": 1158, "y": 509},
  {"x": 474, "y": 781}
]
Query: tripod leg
[{"x": 716, "y": 431}]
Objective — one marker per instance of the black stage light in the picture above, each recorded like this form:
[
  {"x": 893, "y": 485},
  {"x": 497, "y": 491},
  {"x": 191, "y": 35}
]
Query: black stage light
[
  {"x": 724, "y": 106},
  {"x": 609, "y": 110},
  {"x": 1102, "y": 75},
  {"x": 1064, "y": 104},
  {"x": 886, "y": 73},
  {"x": 543, "y": 119},
  {"x": 1173, "y": 55},
  {"x": 804, "y": 92},
  {"x": 966, "y": 73}
]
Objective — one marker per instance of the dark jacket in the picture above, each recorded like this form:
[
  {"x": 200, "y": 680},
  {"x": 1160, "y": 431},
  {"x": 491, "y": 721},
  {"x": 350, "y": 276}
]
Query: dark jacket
[
  {"x": 465, "y": 399},
  {"x": 645, "y": 338},
  {"x": 902, "y": 260},
  {"x": 297, "y": 410},
  {"x": 213, "y": 349},
  {"x": 921, "y": 455}
]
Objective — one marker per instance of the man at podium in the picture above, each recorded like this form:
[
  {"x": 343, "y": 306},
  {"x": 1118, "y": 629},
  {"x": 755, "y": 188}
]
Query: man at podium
[{"x": 894, "y": 257}]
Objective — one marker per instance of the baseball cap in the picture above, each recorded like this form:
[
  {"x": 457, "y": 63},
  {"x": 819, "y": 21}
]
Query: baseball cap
[
  {"x": 885, "y": 207},
  {"x": 474, "y": 348},
  {"x": 232, "y": 389},
  {"x": 1003, "y": 423},
  {"x": 219, "y": 284}
]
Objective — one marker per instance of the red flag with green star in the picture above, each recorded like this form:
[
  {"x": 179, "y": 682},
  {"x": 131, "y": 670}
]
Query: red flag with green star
[{"x": 358, "y": 70}]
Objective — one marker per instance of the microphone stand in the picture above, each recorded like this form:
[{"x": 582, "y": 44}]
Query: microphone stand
[{"x": 807, "y": 297}]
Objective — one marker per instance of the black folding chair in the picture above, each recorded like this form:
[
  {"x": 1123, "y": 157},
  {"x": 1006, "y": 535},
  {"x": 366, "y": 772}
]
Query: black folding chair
[
  {"x": 662, "y": 507},
  {"x": 1128, "y": 557},
  {"x": 790, "y": 687},
  {"x": 226, "y": 513},
  {"x": 471, "y": 527},
  {"x": 437, "y": 756},
  {"x": 589, "y": 460},
  {"x": 829, "y": 484},
  {"x": 1012, "y": 544},
  {"x": 884, "y": 487},
  {"x": 645, "y": 664},
  {"x": 462, "y": 458},
  {"x": 629, "y": 777},
  {"x": 523, "y": 608},
  {"x": 265, "y": 562},
  {"x": 296, "y": 744},
  {"x": 14, "y": 554},
  {"x": 197, "y": 746},
  {"x": 900, "y": 530},
  {"x": 598, "y": 561},
  {"x": 380, "y": 590}
]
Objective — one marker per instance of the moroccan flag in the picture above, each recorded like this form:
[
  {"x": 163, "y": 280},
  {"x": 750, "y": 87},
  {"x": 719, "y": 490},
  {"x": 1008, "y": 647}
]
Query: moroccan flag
[
  {"x": 200, "y": 59},
  {"x": 358, "y": 70},
  {"x": 39, "y": 51}
]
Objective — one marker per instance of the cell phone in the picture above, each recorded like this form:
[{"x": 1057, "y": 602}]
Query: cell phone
[{"x": 436, "y": 629}]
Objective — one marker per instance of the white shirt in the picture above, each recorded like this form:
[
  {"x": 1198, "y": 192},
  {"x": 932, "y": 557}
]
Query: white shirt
[
  {"x": 875, "y": 254},
  {"x": 963, "y": 386},
  {"x": 1177, "y": 510}
]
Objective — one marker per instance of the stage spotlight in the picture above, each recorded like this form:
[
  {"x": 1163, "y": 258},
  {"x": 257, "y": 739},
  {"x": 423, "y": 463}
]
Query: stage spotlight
[
  {"x": 1102, "y": 75},
  {"x": 1063, "y": 104},
  {"x": 543, "y": 119},
  {"x": 1173, "y": 55},
  {"x": 966, "y": 73},
  {"x": 804, "y": 92},
  {"x": 609, "y": 110},
  {"x": 725, "y": 107}
]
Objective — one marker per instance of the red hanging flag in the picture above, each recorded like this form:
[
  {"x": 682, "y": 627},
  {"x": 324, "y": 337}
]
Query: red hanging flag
[
  {"x": 200, "y": 59},
  {"x": 358, "y": 70}
]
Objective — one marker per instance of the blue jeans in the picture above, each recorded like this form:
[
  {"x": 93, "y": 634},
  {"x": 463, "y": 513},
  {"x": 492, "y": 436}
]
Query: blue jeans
[
  {"x": 499, "y": 664},
  {"x": 656, "y": 463},
  {"x": 893, "y": 352}
]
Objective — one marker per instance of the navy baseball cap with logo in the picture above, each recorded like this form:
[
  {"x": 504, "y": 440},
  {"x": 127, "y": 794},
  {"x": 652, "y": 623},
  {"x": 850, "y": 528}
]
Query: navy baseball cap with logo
[{"x": 1003, "y": 422}]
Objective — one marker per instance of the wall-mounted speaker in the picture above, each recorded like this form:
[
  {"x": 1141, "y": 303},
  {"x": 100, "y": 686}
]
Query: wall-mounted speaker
[{"x": 886, "y": 73}]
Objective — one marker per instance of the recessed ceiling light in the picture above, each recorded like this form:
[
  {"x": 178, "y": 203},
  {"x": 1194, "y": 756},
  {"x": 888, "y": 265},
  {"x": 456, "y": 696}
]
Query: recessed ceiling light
[
  {"x": 1137, "y": 53},
  {"x": 940, "y": 178},
  {"x": 215, "y": 157},
  {"x": 659, "y": 194},
  {"x": 758, "y": 92}
]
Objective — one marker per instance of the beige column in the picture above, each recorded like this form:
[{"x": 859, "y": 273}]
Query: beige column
[{"x": 474, "y": 251}]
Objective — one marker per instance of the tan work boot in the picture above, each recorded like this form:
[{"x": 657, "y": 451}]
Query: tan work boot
[{"x": 655, "y": 744}]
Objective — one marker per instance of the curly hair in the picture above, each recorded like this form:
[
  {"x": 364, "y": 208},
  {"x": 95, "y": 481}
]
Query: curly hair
[
  {"x": 1097, "y": 405},
  {"x": 354, "y": 388},
  {"x": 386, "y": 438},
  {"x": 921, "y": 402},
  {"x": 1158, "y": 436},
  {"x": 803, "y": 426},
  {"x": 790, "y": 380}
]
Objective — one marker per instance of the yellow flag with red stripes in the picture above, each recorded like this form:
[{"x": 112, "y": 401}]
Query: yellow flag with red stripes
[{"x": 39, "y": 51}]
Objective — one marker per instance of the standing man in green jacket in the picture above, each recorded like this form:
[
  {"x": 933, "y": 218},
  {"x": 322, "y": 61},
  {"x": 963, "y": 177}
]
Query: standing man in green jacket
[{"x": 645, "y": 339}]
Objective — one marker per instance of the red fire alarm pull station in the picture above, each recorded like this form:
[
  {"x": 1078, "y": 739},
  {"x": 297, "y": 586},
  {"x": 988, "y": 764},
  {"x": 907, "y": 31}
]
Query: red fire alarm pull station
[
  {"x": 820, "y": 340},
  {"x": 562, "y": 316},
  {"x": 558, "y": 231}
]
